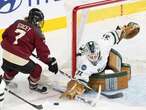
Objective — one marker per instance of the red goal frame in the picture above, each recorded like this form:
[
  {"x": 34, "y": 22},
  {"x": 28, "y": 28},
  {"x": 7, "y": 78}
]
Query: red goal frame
[{"x": 74, "y": 26}]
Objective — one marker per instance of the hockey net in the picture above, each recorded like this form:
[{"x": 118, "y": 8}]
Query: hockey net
[{"x": 89, "y": 19}]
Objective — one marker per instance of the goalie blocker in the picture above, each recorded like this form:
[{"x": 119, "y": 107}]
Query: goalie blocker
[{"x": 113, "y": 81}]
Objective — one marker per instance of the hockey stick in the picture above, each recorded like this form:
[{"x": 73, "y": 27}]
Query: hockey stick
[
  {"x": 39, "y": 107},
  {"x": 110, "y": 96}
]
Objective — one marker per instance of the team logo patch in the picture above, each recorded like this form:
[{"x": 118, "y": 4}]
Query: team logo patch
[
  {"x": 13, "y": 5},
  {"x": 83, "y": 67}
]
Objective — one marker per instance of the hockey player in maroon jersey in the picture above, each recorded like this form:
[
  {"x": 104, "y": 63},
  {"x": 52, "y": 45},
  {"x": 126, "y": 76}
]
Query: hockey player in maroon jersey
[{"x": 19, "y": 40}]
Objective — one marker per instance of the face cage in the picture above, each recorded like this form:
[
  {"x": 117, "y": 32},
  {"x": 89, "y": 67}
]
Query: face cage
[{"x": 93, "y": 57}]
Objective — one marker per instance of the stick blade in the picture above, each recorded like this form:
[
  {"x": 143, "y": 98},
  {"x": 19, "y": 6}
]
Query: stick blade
[
  {"x": 118, "y": 95},
  {"x": 39, "y": 107},
  {"x": 113, "y": 96}
]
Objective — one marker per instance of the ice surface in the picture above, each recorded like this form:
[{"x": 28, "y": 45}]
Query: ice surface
[{"x": 134, "y": 97}]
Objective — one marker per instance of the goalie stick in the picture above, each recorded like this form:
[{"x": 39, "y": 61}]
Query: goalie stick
[
  {"x": 110, "y": 96},
  {"x": 38, "y": 107}
]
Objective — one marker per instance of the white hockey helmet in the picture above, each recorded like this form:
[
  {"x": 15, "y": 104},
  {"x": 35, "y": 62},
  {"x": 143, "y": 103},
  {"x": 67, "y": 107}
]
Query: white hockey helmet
[{"x": 92, "y": 51}]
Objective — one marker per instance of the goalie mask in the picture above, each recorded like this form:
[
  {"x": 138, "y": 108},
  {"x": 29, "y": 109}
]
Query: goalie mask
[
  {"x": 36, "y": 17},
  {"x": 92, "y": 52}
]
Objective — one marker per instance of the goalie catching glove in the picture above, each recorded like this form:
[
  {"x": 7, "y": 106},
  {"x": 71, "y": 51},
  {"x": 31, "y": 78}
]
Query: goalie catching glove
[
  {"x": 74, "y": 88},
  {"x": 130, "y": 30}
]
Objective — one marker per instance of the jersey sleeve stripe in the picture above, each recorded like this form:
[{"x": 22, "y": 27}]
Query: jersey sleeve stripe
[{"x": 116, "y": 36}]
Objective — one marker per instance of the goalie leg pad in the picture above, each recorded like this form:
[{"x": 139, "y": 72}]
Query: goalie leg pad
[
  {"x": 114, "y": 61},
  {"x": 126, "y": 68},
  {"x": 109, "y": 82}
]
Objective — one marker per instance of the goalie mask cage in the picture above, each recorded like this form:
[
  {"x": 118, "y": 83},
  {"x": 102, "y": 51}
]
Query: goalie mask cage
[{"x": 75, "y": 11}]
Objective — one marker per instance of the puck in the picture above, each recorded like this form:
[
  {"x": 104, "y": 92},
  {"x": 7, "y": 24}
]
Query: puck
[{"x": 56, "y": 103}]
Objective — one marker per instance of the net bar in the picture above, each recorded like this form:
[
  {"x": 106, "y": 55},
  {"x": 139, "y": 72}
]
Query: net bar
[{"x": 74, "y": 26}]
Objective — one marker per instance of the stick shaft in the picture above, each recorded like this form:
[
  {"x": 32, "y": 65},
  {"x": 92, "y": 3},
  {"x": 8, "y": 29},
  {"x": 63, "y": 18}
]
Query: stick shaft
[{"x": 35, "y": 106}]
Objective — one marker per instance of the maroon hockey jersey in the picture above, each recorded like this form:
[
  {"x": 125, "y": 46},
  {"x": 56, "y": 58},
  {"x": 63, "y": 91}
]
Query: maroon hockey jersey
[{"x": 21, "y": 39}]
